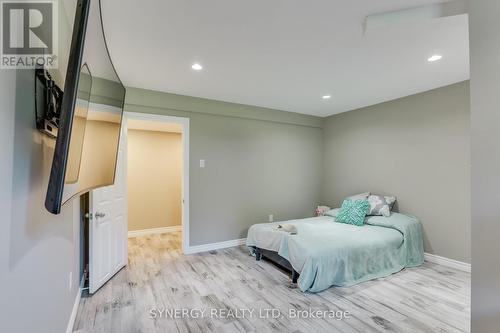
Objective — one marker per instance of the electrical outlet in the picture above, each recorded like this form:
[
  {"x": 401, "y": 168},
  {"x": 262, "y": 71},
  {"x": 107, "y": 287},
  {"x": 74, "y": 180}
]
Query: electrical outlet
[
  {"x": 271, "y": 218},
  {"x": 70, "y": 281},
  {"x": 202, "y": 163}
]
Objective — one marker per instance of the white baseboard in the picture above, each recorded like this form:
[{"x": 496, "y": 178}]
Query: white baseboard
[
  {"x": 152, "y": 231},
  {"x": 72, "y": 318},
  {"x": 215, "y": 246},
  {"x": 463, "y": 266}
]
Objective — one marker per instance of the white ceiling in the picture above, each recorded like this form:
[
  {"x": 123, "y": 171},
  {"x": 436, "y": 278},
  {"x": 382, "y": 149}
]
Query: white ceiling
[{"x": 283, "y": 54}]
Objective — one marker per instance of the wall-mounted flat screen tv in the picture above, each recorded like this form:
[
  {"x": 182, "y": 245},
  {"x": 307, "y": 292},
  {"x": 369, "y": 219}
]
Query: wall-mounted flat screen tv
[{"x": 91, "y": 113}]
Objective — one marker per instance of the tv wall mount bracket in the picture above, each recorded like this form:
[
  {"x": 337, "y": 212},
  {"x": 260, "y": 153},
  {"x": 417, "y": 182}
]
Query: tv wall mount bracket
[{"x": 48, "y": 98}]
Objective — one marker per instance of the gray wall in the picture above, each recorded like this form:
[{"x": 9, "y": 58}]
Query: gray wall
[
  {"x": 257, "y": 163},
  {"x": 37, "y": 250},
  {"x": 485, "y": 130},
  {"x": 417, "y": 148}
]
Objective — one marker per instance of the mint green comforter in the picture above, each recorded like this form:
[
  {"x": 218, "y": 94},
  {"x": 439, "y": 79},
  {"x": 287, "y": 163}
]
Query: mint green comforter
[{"x": 327, "y": 253}]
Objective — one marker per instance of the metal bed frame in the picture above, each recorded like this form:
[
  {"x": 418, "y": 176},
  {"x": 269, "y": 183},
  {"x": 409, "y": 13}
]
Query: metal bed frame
[{"x": 274, "y": 257}]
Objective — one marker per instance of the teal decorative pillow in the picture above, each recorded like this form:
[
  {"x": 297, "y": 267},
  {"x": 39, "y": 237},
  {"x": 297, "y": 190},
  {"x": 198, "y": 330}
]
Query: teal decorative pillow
[{"x": 353, "y": 212}]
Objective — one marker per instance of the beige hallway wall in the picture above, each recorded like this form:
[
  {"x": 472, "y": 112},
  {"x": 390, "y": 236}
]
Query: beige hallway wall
[{"x": 154, "y": 179}]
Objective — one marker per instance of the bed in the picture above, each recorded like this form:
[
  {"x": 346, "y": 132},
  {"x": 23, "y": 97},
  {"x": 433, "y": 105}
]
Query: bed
[{"x": 326, "y": 253}]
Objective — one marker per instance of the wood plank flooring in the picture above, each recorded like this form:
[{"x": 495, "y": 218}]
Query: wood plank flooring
[{"x": 430, "y": 298}]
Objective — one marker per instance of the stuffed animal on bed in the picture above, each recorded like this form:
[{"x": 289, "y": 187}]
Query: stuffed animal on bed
[{"x": 321, "y": 210}]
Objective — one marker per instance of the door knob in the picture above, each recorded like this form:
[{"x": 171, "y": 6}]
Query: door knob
[{"x": 99, "y": 214}]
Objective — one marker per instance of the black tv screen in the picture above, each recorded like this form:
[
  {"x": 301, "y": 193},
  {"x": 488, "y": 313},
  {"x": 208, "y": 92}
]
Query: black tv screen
[{"x": 91, "y": 113}]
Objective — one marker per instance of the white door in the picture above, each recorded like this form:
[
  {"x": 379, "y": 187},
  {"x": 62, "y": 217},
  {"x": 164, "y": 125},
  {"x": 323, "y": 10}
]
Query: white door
[{"x": 108, "y": 224}]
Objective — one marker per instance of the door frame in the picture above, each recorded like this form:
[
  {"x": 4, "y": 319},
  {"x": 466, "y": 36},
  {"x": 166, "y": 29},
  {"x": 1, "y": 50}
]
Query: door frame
[{"x": 184, "y": 122}]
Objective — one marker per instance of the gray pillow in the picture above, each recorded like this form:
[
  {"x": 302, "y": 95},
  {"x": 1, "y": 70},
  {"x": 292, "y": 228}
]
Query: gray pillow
[
  {"x": 390, "y": 201},
  {"x": 380, "y": 205}
]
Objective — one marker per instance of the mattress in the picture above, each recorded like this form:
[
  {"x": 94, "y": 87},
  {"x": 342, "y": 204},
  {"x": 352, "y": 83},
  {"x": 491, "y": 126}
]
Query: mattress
[
  {"x": 266, "y": 236},
  {"x": 327, "y": 253}
]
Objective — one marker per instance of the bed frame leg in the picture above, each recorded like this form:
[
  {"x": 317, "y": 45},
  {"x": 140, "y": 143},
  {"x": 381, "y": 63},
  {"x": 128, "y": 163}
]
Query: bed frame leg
[
  {"x": 258, "y": 254},
  {"x": 295, "y": 276}
]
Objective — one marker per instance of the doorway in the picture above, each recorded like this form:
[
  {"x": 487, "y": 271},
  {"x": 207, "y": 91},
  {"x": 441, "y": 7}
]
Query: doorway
[
  {"x": 107, "y": 242},
  {"x": 157, "y": 175}
]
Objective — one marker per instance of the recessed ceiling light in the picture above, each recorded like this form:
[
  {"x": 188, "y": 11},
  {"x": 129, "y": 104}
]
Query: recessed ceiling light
[
  {"x": 435, "y": 57},
  {"x": 326, "y": 96},
  {"x": 197, "y": 67}
]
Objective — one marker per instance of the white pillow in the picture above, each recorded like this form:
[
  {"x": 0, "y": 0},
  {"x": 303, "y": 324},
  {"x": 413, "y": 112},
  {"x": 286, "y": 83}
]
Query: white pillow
[
  {"x": 333, "y": 212},
  {"x": 361, "y": 196}
]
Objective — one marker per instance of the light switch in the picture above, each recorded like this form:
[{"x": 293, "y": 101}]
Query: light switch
[{"x": 202, "y": 163}]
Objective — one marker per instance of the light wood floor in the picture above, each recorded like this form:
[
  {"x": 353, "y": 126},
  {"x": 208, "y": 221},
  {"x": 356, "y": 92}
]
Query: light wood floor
[{"x": 430, "y": 298}]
